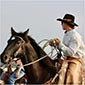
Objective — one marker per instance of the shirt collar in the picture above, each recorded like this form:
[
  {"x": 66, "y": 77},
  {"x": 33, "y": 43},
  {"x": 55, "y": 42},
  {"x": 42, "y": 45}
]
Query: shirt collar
[{"x": 69, "y": 32}]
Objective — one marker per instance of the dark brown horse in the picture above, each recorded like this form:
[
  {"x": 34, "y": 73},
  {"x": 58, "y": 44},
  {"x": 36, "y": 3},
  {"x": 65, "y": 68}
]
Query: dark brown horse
[{"x": 22, "y": 46}]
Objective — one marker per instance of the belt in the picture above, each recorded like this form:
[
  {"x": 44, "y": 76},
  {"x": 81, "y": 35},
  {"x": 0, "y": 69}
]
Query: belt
[{"x": 73, "y": 59}]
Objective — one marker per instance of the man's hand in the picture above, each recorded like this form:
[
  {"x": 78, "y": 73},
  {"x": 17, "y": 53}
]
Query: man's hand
[
  {"x": 54, "y": 42},
  {"x": 51, "y": 42},
  {"x": 57, "y": 41}
]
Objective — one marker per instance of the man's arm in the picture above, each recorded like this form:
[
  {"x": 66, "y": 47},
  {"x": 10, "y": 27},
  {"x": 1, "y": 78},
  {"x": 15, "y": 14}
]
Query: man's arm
[{"x": 18, "y": 71}]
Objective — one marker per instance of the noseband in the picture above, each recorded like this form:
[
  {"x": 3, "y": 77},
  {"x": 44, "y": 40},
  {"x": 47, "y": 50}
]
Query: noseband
[{"x": 21, "y": 45}]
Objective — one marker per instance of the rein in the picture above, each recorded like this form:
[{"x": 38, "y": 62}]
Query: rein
[
  {"x": 38, "y": 59},
  {"x": 16, "y": 53},
  {"x": 45, "y": 45}
]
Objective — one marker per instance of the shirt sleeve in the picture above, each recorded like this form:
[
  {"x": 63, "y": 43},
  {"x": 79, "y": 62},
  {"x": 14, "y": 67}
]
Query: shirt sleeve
[{"x": 72, "y": 47}]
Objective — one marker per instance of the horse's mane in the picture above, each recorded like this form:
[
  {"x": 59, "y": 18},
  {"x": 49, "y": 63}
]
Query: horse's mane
[{"x": 37, "y": 48}]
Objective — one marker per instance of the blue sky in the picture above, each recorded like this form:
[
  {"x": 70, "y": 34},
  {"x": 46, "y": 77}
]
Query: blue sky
[{"x": 40, "y": 17}]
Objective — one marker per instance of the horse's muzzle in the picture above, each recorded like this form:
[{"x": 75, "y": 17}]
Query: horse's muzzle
[{"x": 5, "y": 59}]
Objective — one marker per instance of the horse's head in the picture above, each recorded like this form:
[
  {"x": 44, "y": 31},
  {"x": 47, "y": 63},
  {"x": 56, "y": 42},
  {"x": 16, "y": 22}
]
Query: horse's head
[
  {"x": 15, "y": 46},
  {"x": 22, "y": 46}
]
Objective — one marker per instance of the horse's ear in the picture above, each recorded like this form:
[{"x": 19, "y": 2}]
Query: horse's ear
[
  {"x": 26, "y": 32},
  {"x": 13, "y": 31}
]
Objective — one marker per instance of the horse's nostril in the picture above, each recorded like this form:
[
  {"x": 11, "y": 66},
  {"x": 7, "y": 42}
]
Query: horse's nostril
[{"x": 5, "y": 57}]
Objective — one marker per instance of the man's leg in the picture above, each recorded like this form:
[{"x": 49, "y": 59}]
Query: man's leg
[{"x": 73, "y": 75}]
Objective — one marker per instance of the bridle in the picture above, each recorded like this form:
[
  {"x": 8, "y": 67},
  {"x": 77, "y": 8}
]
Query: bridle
[{"x": 21, "y": 45}]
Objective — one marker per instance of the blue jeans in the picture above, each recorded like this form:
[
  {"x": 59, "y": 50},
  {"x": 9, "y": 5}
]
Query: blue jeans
[{"x": 12, "y": 78}]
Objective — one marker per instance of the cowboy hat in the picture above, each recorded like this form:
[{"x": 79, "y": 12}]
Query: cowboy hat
[{"x": 69, "y": 19}]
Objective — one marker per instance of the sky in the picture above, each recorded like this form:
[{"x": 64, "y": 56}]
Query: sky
[{"x": 40, "y": 17}]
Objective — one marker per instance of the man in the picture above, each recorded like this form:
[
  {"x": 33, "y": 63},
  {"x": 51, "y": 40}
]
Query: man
[
  {"x": 1, "y": 77},
  {"x": 17, "y": 74},
  {"x": 73, "y": 49}
]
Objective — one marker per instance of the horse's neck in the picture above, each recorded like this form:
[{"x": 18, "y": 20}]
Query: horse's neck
[
  {"x": 30, "y": 54},
  {"x": 31, "y": 70},
  {"x": 36, "y": 70}
]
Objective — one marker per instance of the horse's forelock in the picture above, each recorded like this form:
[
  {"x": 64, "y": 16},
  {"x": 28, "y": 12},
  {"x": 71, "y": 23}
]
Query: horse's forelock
[{"x": 23, "y": 36}]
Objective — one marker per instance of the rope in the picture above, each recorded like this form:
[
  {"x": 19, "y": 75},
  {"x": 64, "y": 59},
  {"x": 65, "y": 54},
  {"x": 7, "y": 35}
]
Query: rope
[
  {"x": 63, "y": 69},
  {"x": 54, "y": 78},
  {"x": 42, "y": 41},
  {"x": 37, "y": 60},
  {"x": 46, "y": 44},
  {"x": 33, "y": 61}
]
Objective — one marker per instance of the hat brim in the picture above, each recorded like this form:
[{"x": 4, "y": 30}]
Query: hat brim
[{"x": 63, "y": 20}]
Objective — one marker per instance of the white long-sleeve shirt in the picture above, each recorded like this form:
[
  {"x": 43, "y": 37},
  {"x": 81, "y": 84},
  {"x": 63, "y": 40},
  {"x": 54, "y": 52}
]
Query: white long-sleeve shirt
[{"x": 72, "y": 44}]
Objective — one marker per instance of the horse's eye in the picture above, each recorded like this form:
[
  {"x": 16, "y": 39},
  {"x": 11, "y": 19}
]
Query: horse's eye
[{"x": 18, "y": 42}]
